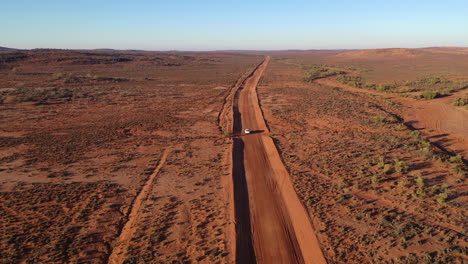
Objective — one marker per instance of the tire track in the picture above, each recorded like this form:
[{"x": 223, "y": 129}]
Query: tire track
[{"x": 129, "y": 228}]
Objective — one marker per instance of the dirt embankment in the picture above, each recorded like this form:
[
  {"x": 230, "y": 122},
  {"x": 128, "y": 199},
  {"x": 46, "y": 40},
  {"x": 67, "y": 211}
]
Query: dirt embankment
[{"x": 280, "y": 230}]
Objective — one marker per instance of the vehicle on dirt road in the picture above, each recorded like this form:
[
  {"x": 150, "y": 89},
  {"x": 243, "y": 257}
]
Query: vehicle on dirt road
[{"x": 247, "y": 131}]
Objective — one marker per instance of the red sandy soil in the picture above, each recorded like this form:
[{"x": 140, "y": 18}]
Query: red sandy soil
[{"x": 83, "y": 142}]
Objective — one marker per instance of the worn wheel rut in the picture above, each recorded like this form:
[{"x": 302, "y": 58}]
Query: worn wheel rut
[
  {"x": 272, "y": 225},
  {"x": 119, "y": 251}
]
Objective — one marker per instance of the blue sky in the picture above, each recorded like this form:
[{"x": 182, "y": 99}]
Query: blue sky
[{"x": 225, "y": 24}]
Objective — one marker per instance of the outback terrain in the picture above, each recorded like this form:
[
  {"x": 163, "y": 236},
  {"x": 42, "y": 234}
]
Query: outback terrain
[
  {"x": 115, "y": 157},
  {"x": 141, "y": 157},
  {"x": 382, "y": 174}
]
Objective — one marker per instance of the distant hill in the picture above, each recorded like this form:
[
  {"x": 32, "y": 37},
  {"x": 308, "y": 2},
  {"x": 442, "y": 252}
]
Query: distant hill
[
  {"x": 399, "y": 53},
  {"x": 381, "y": 53},
  {"x": 6, "y": 49},
  {"x": 449, "y": 50}
]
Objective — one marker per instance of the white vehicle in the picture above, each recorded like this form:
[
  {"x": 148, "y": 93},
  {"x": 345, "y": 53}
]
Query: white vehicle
[{"x": 247, "y": 131}]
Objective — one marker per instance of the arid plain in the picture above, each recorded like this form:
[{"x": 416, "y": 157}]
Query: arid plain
[{"x": 141, "y": 157}]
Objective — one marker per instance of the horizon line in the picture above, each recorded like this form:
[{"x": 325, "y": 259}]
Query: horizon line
[{"x": 221, "y": 50}]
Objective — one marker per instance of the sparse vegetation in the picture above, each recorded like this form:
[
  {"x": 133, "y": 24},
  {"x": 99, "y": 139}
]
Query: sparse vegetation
[
  {"x": 38, "y": 225},
  {"x": 430, "y": 94},
  {"x": 379, "y": 192},
  {"x": 377, "y": 171},
  {"x": 430, "y": 88},
  {"x": 93, "y": 118},
  {"x": 45, "y": 95},
  {"x": 460, "y": 101},
  {"x": 401, "y": 166},
  {"x": 314, "y": 72},
  {"x": 70, "y": 78}
]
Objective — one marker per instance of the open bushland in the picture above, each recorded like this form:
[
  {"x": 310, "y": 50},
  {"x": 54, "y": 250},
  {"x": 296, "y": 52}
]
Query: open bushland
[
  {"x": 139, "y": 157},
  {"x": 114, "y": 156},
  {"x": 378, "y": 191},
  {"x": 419, "y": 73}
]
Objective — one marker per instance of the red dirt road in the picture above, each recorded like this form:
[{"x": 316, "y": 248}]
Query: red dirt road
[{"x": 281, "y": 230}]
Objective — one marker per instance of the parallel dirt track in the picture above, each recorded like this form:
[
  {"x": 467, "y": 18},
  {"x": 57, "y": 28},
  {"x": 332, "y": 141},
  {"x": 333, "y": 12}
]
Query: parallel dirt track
[
  {"x": 277, "y": 225},
  {"x": 118, "y": 253}
]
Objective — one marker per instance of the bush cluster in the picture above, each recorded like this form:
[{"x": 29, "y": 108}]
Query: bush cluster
[
  {"x": 461, "y": 101},
  {"x": 315, "y": 72},
  {"x": 24, "y": 94},
  {"x": 430, "y": 94}
]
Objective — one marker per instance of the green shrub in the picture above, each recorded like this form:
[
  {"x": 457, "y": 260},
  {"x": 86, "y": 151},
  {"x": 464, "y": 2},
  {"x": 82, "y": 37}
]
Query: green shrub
[
  {"x": 415, "y": 133},
  {"x": 401, "y": 166},
  {"x": 407, "y": 89},
  {"x": 427, "y": 152},
  {"x": 389, "y": 119},
  {"x": 442, "y": 197},
  {"x": 460, "y": 170},
  {"x": 315, "y": 72},
  {"x": 420, "y": 190},
  {"x": 446, "y": 91},
  {"x": 387, "y": 168},
  {"x": 375, "y": 178},
  {"x": 433, "y": 80},
  {"x": 355, "y": 81},
  {"x": 456, "y": 159},
  {"x": 430, "y": 94},
  {"x": 403, "y": 182},
  {"x": 420, "y": 182},
  {"x": 461, "y": 101}
]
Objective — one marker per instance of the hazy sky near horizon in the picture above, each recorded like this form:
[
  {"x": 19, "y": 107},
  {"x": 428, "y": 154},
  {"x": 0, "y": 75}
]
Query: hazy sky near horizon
[{"x": 240, "y": 24}]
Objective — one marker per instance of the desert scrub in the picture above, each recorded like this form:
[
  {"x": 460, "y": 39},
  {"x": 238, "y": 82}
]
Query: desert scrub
[
  {"x": 430, "y": 87},
  {"x": 400, "y": 166},
  {"x": 430, "y": 94},
  {"x": 442, "y": 197},
  {"x": 355, "y": 81},
  {"x": 406, "y": 89},
  {"x": 460, "y": 170},
  {"x": 403, "y": 182},
  {"x": 420, "y": 190},
  {"x": 434, "y": 83},
  {"x": 456, "y": 159},
  {"x": 314, "y": 72},
  {"x": 387, "y": 119},
  {"x": 432, "y": 80},
  {"x": 358, "y": 82},
  {"x": 24, "y": 94},
  {"x": 70, "y": 78},
  {"x": 461, "y": 101},
  {"x": 425, "y": 149}
]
